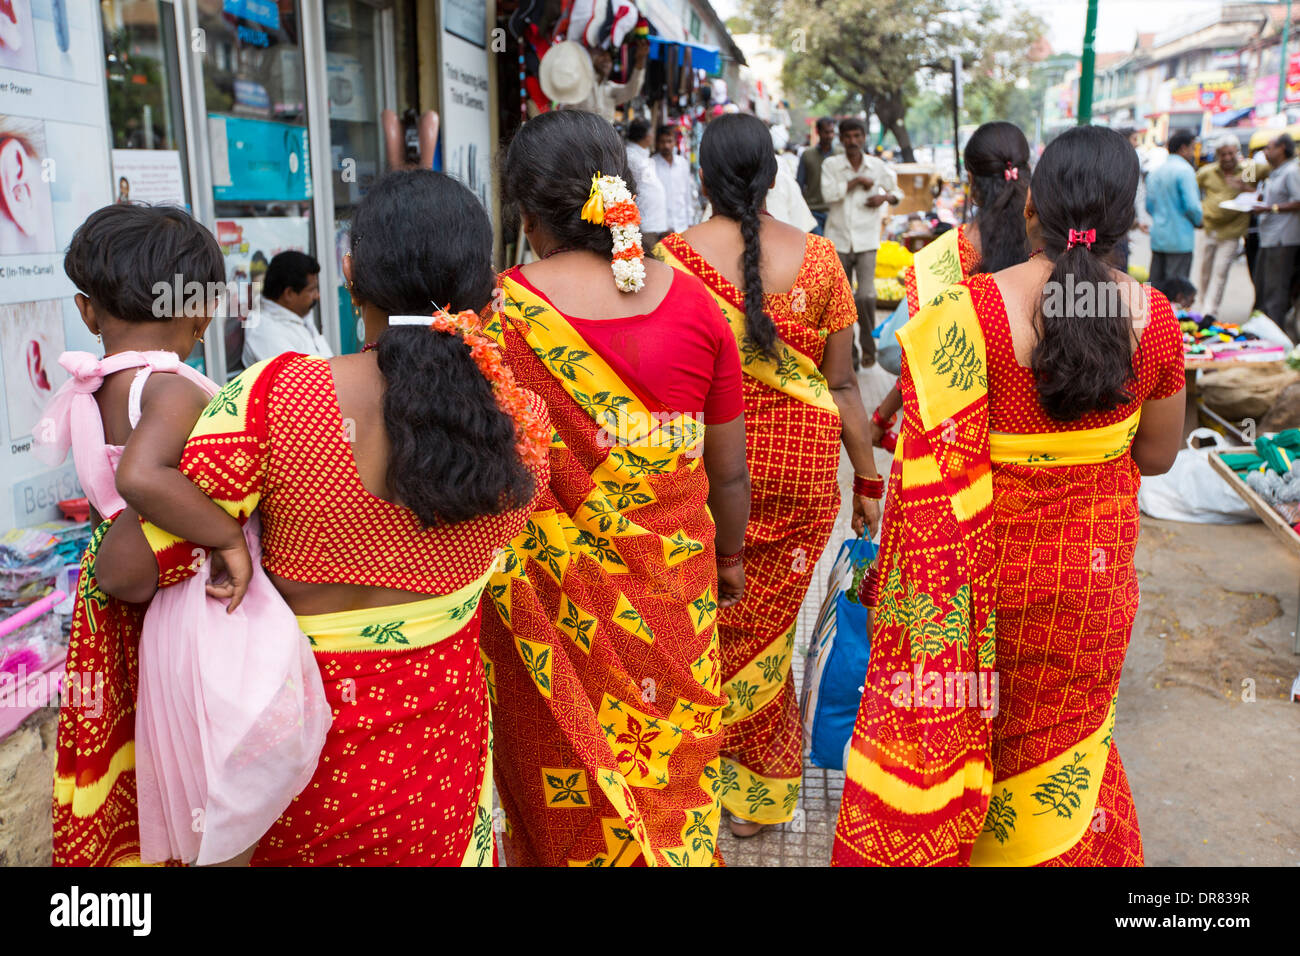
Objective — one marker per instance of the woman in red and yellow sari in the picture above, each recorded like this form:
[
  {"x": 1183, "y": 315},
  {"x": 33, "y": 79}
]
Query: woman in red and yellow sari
[
  {"x": 801, "y": 403},
  {"x": 387, "y": 483},
  {"x": 1033, "y": 400},
  {"x": 997, "y": 170},
  {"x": 603, "y": 648}
]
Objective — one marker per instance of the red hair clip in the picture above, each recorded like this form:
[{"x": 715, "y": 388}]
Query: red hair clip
[{"x": 1085, "y": 237}]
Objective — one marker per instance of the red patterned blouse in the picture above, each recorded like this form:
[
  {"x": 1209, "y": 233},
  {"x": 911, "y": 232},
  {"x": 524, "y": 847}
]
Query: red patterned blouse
[
  {"x": 283, "y": 448},
  {"x": 1014, "y": 408}
]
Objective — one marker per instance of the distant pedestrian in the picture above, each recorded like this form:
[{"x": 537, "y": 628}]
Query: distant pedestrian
[
  {"x": 674, "y": 172},
  {"x": 606, "y": 95},
  {"x": 1174, "y": 202},
  {"x": 809, "y": 176},
  {"x": 1224, "y": 228},
  {"x": 284, "y": 320},
  {"x": 651, "y": 199},
  {"x": 856, "y": 188},
  {"x": 1279, "y": 229}
]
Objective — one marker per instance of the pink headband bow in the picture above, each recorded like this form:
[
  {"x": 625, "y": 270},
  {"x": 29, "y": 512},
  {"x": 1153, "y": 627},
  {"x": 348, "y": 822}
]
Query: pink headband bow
[
  {"x": 1084, "y": 237},
  {"x": 1010, "y": 173}
]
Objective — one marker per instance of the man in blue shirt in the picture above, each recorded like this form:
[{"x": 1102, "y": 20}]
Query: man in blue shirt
[{"x": 1174, "y": 202}]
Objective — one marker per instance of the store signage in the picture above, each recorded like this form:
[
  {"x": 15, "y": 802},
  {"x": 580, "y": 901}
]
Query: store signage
[
  {"x": 265, "y": 13},
  {"x": 54, "y": 148},
  {"x": 1216, "y": 97},
  {"x": 466, "y": 124},
  {"x": 258, "y": 160}
]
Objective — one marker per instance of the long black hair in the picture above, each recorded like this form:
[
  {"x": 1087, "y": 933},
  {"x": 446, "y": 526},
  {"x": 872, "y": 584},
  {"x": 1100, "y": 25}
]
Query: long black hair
[
  {"x": 1086, "y": 180},
  {"x": 547, "y": 168},
  {"x": 421, "y": 241},
  {"x": 737, "y": 167},
  {"x": 995, "y": 152}
]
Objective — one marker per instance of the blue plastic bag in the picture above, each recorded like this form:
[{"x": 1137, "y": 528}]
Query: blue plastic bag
[{"x": 836, "y": 667}]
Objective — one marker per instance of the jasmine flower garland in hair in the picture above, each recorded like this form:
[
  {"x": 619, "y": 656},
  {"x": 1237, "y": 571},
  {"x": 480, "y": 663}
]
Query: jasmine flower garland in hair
[{"x": 610, "y": 204}]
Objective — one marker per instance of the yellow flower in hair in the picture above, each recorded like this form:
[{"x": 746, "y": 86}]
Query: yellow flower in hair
[{"x": 593, "y": 211}]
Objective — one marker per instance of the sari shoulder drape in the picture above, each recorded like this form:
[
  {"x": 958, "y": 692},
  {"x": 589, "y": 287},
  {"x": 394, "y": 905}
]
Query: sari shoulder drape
[
  {"x": 919, "y": 771},
  {"x": 947, "y": 260},
  {"x": 793, "y": 371},
  {"x": 604, "y": 651}
]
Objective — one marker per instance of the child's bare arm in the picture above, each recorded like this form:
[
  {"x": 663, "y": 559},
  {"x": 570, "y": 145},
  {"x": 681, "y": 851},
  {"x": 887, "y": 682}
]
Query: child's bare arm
[{"x": 149, "y": 479}]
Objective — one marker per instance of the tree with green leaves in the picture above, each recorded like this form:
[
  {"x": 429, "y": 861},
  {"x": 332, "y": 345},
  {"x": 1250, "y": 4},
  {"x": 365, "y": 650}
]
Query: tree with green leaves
[{"x": 882, "y": 52}]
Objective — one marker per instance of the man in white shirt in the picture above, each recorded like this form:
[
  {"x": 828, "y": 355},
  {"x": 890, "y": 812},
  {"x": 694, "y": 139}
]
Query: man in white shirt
[
  {"x": 786, "y": 203},
  {"x": 606, "y": 96},
  {"x": 856, "y": 187},
  {"x": 651, "y": 199},
  {"x": 282, "y": 321},
  {"x": 675, "y": 173}
]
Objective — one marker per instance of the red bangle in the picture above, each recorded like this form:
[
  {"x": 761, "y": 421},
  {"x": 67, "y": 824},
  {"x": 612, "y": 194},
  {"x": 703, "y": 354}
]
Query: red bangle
[
  {"x": 869, "y": 589},
  {"x": 885, "y": 423},
  {"x": 731, "y": 560},
  {"x": 869, "y": 487}
]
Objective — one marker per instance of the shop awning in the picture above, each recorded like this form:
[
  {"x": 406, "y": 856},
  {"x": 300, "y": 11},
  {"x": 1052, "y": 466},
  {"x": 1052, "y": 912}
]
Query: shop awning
[
  {"x": 665, "y": 21},
  {"x": 1231, "y": 117},
  {"x": 706, "y": 58}
]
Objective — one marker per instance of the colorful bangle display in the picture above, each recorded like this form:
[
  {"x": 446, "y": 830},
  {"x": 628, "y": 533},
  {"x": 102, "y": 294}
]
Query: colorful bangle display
[
  {"x": 869, "y": 487},
  {"x": 731, "y": 560},
  {"x": 885, "y": 423}
]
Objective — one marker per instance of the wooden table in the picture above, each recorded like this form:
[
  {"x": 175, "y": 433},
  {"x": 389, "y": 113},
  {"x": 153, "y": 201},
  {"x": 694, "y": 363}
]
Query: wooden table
[{"x": 1258, "y": 504}]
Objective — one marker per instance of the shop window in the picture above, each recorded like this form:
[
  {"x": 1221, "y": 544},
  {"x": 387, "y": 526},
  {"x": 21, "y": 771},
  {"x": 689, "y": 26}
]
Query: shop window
[
  {"x": 255, "y": 88},
  {"x": 146, "y": 123},
  {"x": 353, "y": 76}
]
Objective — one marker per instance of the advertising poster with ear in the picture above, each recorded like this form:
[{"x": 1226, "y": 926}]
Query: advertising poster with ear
[{"x": 54, "y": 171}]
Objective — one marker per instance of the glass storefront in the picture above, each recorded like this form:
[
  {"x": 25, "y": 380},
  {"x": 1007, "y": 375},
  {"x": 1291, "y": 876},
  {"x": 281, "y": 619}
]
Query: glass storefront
[
  {"x": 217, "y": 104},
  {"x": 354, "y": 79},
  {"x": 254, "y": 88}
]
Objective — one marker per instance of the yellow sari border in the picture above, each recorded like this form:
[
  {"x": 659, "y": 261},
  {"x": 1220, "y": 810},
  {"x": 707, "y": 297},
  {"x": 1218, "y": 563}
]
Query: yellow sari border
[
  {"x": 394, "y": 627},
  {"x": 1042, "y": 812},
  {"x": 87, "y": 798},
  {"x": 1087, "y": 446},
  {"x": 757, "y": 798},
  {"x": 937, "y": 265},
  {"x": 794, "y": 374}
]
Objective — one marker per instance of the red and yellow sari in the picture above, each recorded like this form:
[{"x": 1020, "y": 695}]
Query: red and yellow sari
[
  {"x": 792, "y": 439},
  {"x": 1001, "y": 529},
  {"x": 95, "y": 815},
  {"x": 405, "y": 776},
  {"x": 602, "y": 651}
]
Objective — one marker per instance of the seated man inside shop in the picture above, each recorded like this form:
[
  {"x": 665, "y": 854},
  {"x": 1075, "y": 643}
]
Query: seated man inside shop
[{"x": 283, "y": 320}]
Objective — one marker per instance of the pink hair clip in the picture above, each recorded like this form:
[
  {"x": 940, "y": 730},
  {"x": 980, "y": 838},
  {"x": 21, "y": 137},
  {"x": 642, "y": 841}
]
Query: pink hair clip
[
  {"x": 1011, "y": 172},
  {"x": 1084, "y": 237}
]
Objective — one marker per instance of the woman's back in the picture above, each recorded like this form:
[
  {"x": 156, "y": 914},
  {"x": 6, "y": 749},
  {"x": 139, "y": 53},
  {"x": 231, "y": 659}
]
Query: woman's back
[
  {"x": 315, "y": 460},
  {"x": 678, "y": 353},
  {"x": 720, "y": 242},
  {"x": 1004, "y": 304}
]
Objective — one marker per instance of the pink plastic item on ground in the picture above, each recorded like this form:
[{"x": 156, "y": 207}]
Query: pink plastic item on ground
[{"x": 230, "y": 720}]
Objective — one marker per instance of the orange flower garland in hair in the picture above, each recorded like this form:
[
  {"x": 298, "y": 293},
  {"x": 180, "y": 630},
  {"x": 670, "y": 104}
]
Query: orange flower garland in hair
[{"x": 532, "y": 436}]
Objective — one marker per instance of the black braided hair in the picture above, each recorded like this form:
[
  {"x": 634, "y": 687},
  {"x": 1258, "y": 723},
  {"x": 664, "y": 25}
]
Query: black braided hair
[{"x": 737, "y": 167}]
